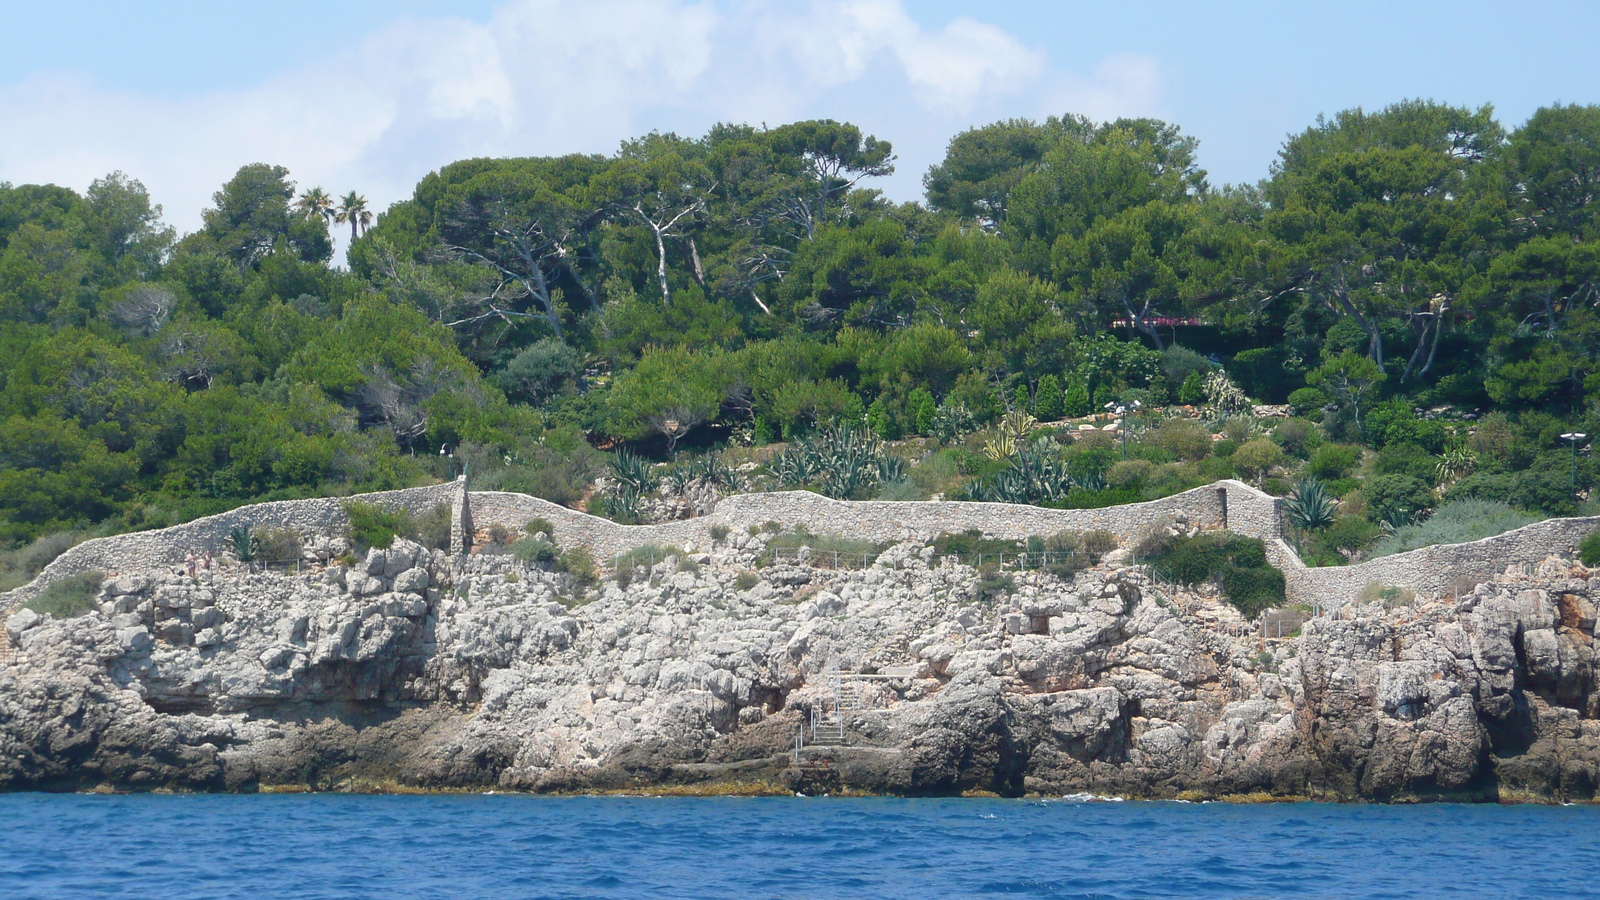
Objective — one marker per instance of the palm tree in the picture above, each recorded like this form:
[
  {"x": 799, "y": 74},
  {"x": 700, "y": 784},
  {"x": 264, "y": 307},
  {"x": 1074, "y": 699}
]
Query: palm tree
[
  {"x": 353, "y": 209},
  {"x": 315, "y": 204}
]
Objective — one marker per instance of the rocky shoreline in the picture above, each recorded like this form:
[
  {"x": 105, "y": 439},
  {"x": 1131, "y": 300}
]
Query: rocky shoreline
[{"x": 414, "y": 671}]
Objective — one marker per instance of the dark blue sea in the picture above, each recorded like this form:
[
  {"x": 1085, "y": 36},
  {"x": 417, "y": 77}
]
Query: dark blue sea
[{"x": 332, "y": 846}]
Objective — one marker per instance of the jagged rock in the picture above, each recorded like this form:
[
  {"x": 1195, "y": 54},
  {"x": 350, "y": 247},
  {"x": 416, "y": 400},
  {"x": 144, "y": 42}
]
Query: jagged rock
[{"x": 404, "y": 669}]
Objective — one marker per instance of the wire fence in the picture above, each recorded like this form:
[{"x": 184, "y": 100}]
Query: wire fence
[{"x": 847, "y": 559}]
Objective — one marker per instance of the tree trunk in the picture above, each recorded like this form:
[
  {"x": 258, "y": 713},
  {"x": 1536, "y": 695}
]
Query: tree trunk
[
  {"x": 661, "y": 265},
  {"x": 1374, "y": 337},
  {"x": 1416, "y": 355},
  {"x": 541, "y": 294},
  {"x": 1437, "y": 327},
  {"x": 699, "y": 269}
]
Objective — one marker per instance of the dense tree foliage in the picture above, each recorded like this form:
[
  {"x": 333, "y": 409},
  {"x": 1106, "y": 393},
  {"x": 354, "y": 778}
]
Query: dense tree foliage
[{"x": 751, "y": 283}]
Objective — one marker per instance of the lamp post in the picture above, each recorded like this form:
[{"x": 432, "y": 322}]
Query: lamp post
[
  {"x": 450, "y": 458},
  {"x": 1573, "y": 437},
  {"x": 1125, "y": 413}
]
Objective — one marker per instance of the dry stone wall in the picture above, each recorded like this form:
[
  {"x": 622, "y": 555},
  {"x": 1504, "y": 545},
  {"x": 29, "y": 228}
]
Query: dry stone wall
[
  {"x": 878, "y": 521},
  {"x": 1231, "y": 504},
  {"x": 1441, "y": 569},
  {"x": 146, "y": 550}
]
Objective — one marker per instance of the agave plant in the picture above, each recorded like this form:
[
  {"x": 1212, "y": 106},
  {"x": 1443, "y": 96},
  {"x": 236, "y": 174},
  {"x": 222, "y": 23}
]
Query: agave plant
[
  {"x": 841, "y": 462},
  {"x": 244, "y": 544},
  {"x": 1396, "y": 519},
  {"x": 712, "y": 471},
  {"x": 1310, "y": 506},
  {"x": 680, "y": 479},
  {"x": 1037, "y": 475},
  {"x": 635, "y": 473},
  {"x": 623, "y": 506}
]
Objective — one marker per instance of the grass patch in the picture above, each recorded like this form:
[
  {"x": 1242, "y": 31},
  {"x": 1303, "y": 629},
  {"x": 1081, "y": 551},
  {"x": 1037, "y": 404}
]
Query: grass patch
[
  {"x": 852, "y": 553},
  {"x": 22, "y": 565},
  {"x": 1388, "y": 596},
  {"x": 1456, "y": 522},
  {"x": 624, "y": 564},
  {"x": 68, "y": 597},
  {"x": 971, "y": 544}
]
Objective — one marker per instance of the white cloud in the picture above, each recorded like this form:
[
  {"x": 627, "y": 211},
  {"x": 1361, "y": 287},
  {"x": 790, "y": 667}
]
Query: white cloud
[{"x": 544, "y": 77}]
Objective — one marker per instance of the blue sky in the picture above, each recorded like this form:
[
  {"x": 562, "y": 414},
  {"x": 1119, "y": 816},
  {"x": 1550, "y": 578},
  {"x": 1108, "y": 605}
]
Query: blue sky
[{"x": 371, "y": 95}]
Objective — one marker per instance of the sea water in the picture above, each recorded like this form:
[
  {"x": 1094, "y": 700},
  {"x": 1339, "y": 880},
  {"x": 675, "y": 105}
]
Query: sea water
[{"x": 335, "y": 846}]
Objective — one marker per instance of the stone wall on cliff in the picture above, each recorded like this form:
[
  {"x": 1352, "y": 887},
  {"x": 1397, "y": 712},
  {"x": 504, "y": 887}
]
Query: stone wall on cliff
[
  {"x": 167, "y": 547},
  {"x": 1437, "y": 570}
]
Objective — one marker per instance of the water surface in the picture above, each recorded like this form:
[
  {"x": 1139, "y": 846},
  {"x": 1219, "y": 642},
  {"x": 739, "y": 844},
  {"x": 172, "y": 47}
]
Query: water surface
[{"x": 334, "y": 846}]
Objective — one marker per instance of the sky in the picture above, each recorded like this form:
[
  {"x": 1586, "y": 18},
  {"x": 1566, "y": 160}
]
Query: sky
[{"x": 370, "y": 95}]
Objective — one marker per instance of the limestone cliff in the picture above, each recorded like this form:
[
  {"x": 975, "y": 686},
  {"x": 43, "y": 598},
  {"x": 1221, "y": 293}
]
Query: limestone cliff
[{"x": 412, "y": 670}]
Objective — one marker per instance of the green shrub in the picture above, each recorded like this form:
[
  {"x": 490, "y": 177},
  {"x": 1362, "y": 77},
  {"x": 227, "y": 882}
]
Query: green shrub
[
  {"x": 744, "y": 581},
  {"x": 1332, "y": 461},
  {"x": 970, "y": 544},
  {"x": 372, "y": 525},
  {"x": 994, "y": 581},
  {"x": 1129, "y": 473},
  {"x": 1063, "y": 553},
  {"x": 922, "y": 409},
  {"x": 534, "y": 551},
  {"x": 1307, "y": 400},
  {"x": 1456, "y": 522},
  {"x": 902, "y": 491},
  {"x": 1183, "y": 438},
  {"x": 1192, "y": 391},
  {"x": 541, "y": 525},
  {"x": 1098, "y": 542},
  {"x": 1237, "y": 563},
  {"x": 560, "y": 468},
  {"x": 432, "y": 528},
  {"x": 1075, "y": 401},
  {"x": 22, "y": 565},
  {"x": 1297, "y": 436},
  {"x": 852, "y": 552},
  {"x": 648, "y": 555},
  {"x": 1255, "y": 458},
  {"x": 719, "y": 533},
  {"x": 579, "y": 563},
  {"x": 67, "y": 597},
  {"x": 1397, "y": 499},
  {"x": 1589, "y": 549},
  {"x": 1048, "y": 398},
  {"x": 277, "y": 544},
  {"x": 1388, "y": 595}
]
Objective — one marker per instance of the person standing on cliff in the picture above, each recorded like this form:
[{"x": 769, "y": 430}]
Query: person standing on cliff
[{"x": 190, "y": 561}]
